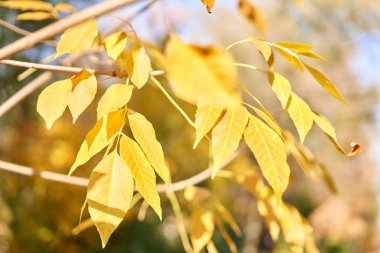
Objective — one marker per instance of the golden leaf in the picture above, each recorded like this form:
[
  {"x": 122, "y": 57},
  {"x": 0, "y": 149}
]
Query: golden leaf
[
  {"x": 115, "y": 97},
  {"x": 201, "y": 228},
  {"x": 270, "y": 153},
  {"x": 298, "y": 47},
  {"x": 145, "y": 136},
  {"x": 311, "y": 54},
  {"x": 326, "y": 83},
  {"x": 301, "y": 115},
  {"x": 115, "y": 122},
  {"x": 280, "y": 86},
  {"x": 208, "y": 4},
  {"x": 196, "y": 195},
  {"x": 227, "y": 134},
  {"x": 35, "y": 16},
  {"x": 211, "y": 248},
  {"x": 27, "y": 5},
  {"x": 82, "y": 96},
  {"x": 190, "y": 68},
  {"x": 141, "y": 67},
  {"x": 205, "y": 119},
  {"x": 115, "y": 44},
  {"x": 109, "y": 194},
  {"x": 227, "y": 217},
  {"x": 142, "y": 171},
  {"x": 77, "y": 38},
  {"x": 291, "y": 57},
  {"x": 53, "y": 100},
  {"x": 325, "y": 125},
  {"x": 253, "y": 14},
  {"x": 64, "y": 7},
  {"x": 263, "y": 48}
]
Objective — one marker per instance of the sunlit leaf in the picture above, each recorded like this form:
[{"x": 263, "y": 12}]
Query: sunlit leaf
[
  {"x": 145, "y": 136},
  {"x": 325, "y": 125},
  {"x": 205, "y": 118},
  {"x": 291, "y": 57},
  {"x": 109, "y": 194},
  {"x": 326, "y": 83},
  {"x": 263, "y": 48},
  {"x": 36, "y": 16},
  {"x": 53, "y": 100},
  {"x": 196, "y": 195},
  {"x": 227, "y": 134},
  {"x": 115, "y": 97},
  {"x": 201, "y": 228},
  {"x": 253, "y": 13},
  {"x": 142, "y": 171},
  {"x": 77, "y": 38},
  {"x": 82, "y": 96},
  {"x": 295, "y": 46},
  {"x": 311, "y": 54},
  {"x": 115, "y": 122},
  {"x": 64, "y": 7},
  {"x": 115, "y": 44},
  {"x": 301, "y": 115},
  {"x": 270, "y": 153},
  {"x": 189, "y": 70},
  {"x": 26, "y": 5},
  {"x": 208, "y": 4},
  {"x": 280, "y": 86},
  {"x": 141, "y": 67},
  {"x": 227, "y": 218}
]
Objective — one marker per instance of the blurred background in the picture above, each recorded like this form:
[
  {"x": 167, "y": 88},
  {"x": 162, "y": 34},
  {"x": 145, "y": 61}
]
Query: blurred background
[{"x": 38, "y": 216}]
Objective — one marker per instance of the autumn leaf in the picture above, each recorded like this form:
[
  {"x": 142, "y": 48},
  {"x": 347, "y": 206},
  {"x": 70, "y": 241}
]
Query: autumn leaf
[
  {"x": 301, "y": 115},
  {"x": 64, "y": 7},
  {"x": 77, "y": 38},
  {"x": 141, "y": 67},
  {"x": 201, "y": 228},
  {"x": 26, "y": 5},
  {"x": 115, "y": 44},
  {"x": 196, "y": 195},
  {"x": 190, "y": 68},
  {"x": 109, "y": 194},
  {"x": 253, "y": 13},
  {"x": 35, "y": 16},
  {"x": 205, "y": 119},
  {"x": 227, "y": 134},
  {"x": 263, "y": 48},
  {"x": 142, "y": 171},
  {"x": 115, "y": 97},
  {"x": 326, "y": 83},
  {"x": 325, "y": 125},
  {"x": 294, "y": 46},
  {"x": 209, "y": 4},
  {"x": 280, "y": 86},
  {"x": 291, "y": 57},
  {"x": 82, "y": 96},
  {"x": 145, "y": 136},
  {"x": 53, "y": 100},
  {"x": 270, "y": 153}
]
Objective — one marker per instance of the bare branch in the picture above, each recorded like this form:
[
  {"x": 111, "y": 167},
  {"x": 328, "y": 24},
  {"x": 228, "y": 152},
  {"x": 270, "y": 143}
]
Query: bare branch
[
  {"x": 79, "y": 181},
  {"x": 33, "y": 65},
  {"x": 59, "y": 26}
]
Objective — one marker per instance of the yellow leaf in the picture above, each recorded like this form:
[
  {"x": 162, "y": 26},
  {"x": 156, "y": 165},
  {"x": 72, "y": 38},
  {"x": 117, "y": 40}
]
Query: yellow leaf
[
  {"x": 266, "y": 210},
  {"x": 295, "y": 46},
  {"x": 109, "y": 194},
  {"x": 325, "y": 125},
  {"x": 142, "y": 171},
  {"x": 64, "y": 7},
  {"x": 82, "y": 96},
  {"x": 270, "y": 153},
  {"x": 211, "y": 248},
  {"x": 145, "y": 136},
  {"x": 208, "y": 4},
  {"x": 230, "y": 243},
  {"x": 115, "y": 44},
  {"x": 227, "y": 134},
  {"x": 77, "y": 38},
  {"x": 196, "y": 195},
  {"x": 82, "y": 157},
  {"x": 141, "y": 67},
  {"x": 311, "y": 54},
  {"x": 227, "y": 217},
  {"x": 281, "y": 87},
  {"x": 264, "y": 115},
  {"x": 27, "y": 5},
  {"x": 263, "y": 48},
  {"x": 326, "y": 83},
  {"x": 53, "y": 100},
  {"x": 190, "y": 69},
  {"x": 79, "y": 77},
  {"x": 36, "y": 16},
  {"x": 253, "y": 13},
  {"x": 301, "y": 115},
  {"x": 205, "y": 119},
  {"x": 201, "y": 228},
  {"x": 115, "y": 97},
  {"x": 291, "y": 57},
  {"x": 115, "y": 122}
]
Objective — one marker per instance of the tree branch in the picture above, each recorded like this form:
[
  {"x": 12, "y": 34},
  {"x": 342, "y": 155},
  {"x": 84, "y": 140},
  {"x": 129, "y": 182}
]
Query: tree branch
[
  {"x": 59, "y": 26},
  {"x": 33, "y": 65},
  {"x": 79, "y": 181}
]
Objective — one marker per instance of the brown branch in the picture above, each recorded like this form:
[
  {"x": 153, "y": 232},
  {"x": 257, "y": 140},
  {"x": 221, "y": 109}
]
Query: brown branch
[
  {"x": 79, "y": 181},
  {"x": 33, "y": 65},
  {"x": 59, "y": 26}
]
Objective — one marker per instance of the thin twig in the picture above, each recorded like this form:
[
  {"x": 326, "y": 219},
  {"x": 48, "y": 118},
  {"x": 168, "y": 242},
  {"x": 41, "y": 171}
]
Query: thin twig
[
  {"x": 59, "y": 26},
  {"x": 79, "y": 181},
  {"x": 23, "y": 32},
  {"x": 33, "y": 65}
]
